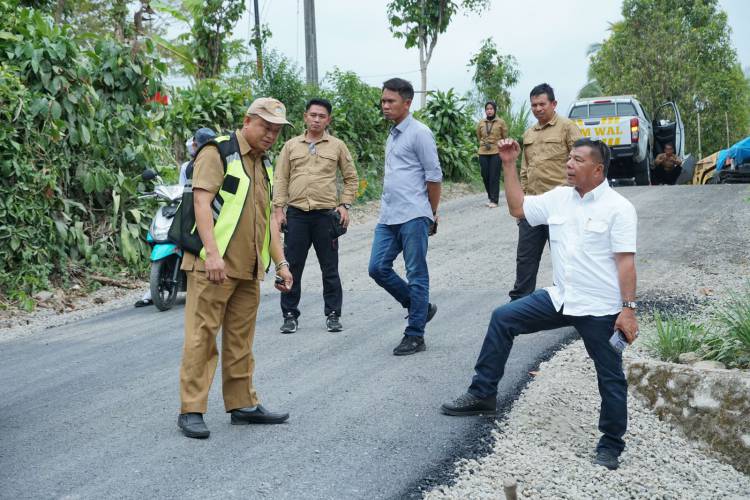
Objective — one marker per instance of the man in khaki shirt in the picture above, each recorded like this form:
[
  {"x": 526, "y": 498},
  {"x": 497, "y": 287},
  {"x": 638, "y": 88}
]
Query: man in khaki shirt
[
  {"x": 305, "y": 184},
  {"x": 489, "y": 131},
  {"x": 546, "y": 147},
  {"x": 667, "y": 167},
  {"x": 224, "y": 290}
]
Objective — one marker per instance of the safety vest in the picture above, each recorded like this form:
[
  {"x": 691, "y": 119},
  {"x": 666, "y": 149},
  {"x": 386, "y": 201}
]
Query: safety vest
[{"x": 229, "y": 201}]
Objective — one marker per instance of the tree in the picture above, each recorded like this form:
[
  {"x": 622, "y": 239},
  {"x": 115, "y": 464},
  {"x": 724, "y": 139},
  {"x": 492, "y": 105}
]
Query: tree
[
  {"x": 212, "y": 29},
  {"x": 494, "y": 75},
  {"x": 678, "y": 50},
  {"x": 592, "y": 87},
  {"x": 421, "y": 22}
]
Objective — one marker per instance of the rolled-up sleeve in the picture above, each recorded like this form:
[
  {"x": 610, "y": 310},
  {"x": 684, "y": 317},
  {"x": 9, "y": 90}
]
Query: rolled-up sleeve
[
  {"x": 624, "y": 230},
  {"x": 426, "y": 151}
]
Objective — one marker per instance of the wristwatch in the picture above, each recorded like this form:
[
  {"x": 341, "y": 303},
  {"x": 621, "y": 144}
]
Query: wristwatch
[
  {"x": 629, "y": 304},
  {"x": 346, "y": 205}
]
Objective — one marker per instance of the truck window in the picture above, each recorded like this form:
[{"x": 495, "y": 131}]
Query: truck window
[
  {"x": 626, "y": 109},
  {"x": 579, "y": 112},
  {"x": 599, "y": 110}
]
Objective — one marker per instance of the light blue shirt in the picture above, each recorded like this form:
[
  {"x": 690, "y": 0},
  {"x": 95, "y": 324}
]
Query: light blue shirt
[{"x": 411, "y": 161}]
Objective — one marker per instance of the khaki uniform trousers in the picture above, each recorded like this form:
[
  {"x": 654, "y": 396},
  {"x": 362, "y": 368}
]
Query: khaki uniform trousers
[{"x": 233, "y": 306}]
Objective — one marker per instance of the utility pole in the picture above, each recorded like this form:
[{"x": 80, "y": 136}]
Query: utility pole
[
  {"x": 311, "y": 48},
  {"x": 257, "y": 41}
]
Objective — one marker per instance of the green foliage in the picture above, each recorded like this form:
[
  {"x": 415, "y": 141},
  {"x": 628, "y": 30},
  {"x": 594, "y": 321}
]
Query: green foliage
[
  {"x": 358, "y": 121},
  {"x": 452, "y": 123},
  {"x": 209, "y": 103},
  {"x": 675, "y": 336},
  {"x": 687, "y": 49},
  {"x": 78, "y": 132},
  {"x": 517, "y": 121},
  {"x": 733, "y": 317},
  {"x": 494, "y": 75}
]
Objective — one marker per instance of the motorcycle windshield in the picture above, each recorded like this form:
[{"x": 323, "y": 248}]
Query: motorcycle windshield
[{"x": 172, "y": 192}]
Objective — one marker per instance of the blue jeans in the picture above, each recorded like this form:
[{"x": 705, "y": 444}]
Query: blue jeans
[
  {"x": 411, "y": 239},
  {"x": 534, "y": 313}
]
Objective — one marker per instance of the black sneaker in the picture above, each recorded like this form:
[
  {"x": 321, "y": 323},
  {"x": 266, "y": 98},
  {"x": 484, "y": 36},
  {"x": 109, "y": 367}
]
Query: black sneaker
[
  {"x": 410, "y": 344},
  {"x": 607, "y": 458},
  {"x": 290, "y": 324},
  {"x": 468, "y": 404},
  {"x": 333, "y": 323}
]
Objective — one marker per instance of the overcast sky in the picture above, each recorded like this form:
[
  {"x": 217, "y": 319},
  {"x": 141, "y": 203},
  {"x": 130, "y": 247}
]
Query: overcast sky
[{"x": 548, "y": 37}]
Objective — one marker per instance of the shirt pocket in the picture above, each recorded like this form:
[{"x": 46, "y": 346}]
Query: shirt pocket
[
  {"x": 596, "y": 236},
  {"x": 556, "y": 224},
  {"x": 554, "y": 148}
]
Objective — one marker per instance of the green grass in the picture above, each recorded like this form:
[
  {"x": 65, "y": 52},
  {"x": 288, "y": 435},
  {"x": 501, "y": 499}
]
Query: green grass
[{"x": 675, "y": 336}]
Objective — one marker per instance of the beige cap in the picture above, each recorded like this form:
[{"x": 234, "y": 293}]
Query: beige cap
[{"x": 270, "y": 109}]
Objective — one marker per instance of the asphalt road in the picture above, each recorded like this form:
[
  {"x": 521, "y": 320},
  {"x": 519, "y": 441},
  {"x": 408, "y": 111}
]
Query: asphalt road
[{"x": 88, "y": 410}]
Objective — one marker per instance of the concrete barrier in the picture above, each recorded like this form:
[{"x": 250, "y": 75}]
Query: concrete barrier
[{"x": 712, "y": 405}]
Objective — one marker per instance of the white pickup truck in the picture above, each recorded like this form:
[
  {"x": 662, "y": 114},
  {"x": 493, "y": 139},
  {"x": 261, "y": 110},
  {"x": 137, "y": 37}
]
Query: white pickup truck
[{"x": 634, "y": 138}]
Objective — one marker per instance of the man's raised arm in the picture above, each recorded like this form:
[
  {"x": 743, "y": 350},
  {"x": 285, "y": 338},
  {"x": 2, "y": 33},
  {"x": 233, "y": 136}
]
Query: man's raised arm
[{"x": 508, "y": 150}]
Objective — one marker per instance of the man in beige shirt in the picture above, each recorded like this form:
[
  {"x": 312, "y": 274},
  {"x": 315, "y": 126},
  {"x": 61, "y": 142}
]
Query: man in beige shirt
[
  {"x": 489, "y": 131},
  {"x": 305, "y": 185},
  {"x": 546, "y": 147},
  {"x": 231, "y": 189}
]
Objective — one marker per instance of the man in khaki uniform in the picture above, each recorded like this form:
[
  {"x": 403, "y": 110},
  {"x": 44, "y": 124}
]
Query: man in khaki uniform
[
  {"x": 224, "y": 285},
  {"x": 667, "y": 167},
  {"x": 305, "y": 184},
  {"x": 489, "y": 131},
  {"x": 546, "y": 147}
]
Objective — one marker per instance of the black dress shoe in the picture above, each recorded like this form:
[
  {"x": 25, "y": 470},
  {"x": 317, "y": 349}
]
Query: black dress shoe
[
  {"x": 143, "y": 303},
  {"x": 410, "y": 344},
  {"x": 192, "y": 425},
  {"x": 243, "y": 416},
  {"x": 468, "y": 404},
  {"x": 607, "y": 458}
]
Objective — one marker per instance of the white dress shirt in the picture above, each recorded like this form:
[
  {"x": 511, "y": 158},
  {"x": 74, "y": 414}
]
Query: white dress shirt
[{"x": 585, "y": 233}]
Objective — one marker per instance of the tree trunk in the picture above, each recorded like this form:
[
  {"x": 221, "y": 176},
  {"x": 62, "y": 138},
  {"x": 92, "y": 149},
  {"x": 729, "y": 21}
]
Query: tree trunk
[{"x": 59, "y": 9}]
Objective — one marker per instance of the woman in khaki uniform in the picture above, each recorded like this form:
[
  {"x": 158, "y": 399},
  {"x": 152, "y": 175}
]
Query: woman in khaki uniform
[{"x": 489, "y": 131}]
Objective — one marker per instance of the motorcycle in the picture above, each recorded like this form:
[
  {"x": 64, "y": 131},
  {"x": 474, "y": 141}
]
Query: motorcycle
[{"x": 166, "y": 277}]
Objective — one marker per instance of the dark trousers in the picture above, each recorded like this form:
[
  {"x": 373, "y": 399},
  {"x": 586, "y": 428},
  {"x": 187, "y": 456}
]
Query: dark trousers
[
  {"x": 305, "y": 229},
  {"x": 661, "y": 176},
  {"x": 535, "y": 313},
  {"x": 531, "y": 241},
  {"x": 489, "y": 166},
  {"x": 414, "y": 295}
]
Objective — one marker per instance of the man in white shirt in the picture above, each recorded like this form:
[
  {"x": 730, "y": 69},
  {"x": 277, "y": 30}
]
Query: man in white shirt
[{"x": 592, "y": 240}]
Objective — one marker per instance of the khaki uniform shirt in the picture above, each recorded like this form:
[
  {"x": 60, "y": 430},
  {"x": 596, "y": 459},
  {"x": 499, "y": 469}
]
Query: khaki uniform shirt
[
  {"x": 545, "y": 153},
  {"x": 305, "y": 174},
  {"x": 488, "y": 133},
  {"x": 667, "y": 162},
  {"x": 242, "y": 259}
]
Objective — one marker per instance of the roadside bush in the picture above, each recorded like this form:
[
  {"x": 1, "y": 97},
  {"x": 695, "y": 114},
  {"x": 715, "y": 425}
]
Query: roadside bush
[
  {"x": 675, "y": 336},
  {"x": 451, "y": 121},
  {"x": 732, "y": 345},
  {"x": 78, "y": 130}
]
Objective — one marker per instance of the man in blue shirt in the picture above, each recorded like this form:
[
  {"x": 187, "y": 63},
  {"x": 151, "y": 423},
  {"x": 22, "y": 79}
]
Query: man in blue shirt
[{"x": 408, "y": 212}]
